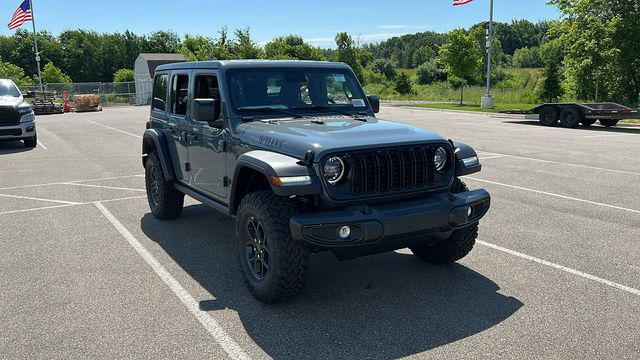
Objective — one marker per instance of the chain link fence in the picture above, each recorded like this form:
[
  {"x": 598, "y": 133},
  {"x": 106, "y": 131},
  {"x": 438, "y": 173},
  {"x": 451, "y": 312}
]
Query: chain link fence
[{"x": 111, "y": 94}]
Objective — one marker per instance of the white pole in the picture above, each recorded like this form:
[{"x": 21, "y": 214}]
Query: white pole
[
  {"x": 35, "y": 44},
  {"x": 487, "y": 100}
]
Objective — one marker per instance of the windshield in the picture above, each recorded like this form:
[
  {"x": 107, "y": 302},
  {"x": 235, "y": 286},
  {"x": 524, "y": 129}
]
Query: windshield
[
  {"x": 295, "y": 89},
  {"x": 7, "y": 88}
]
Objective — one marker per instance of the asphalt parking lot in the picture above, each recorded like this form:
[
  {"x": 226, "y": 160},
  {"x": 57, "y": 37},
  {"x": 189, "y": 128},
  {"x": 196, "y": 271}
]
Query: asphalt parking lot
[{"x": 86, "y": 271}]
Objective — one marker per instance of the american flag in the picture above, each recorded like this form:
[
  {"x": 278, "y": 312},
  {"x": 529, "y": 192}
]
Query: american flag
[
  {"x": 21, "y": 15},
  {"x": 461, "y": 2}
]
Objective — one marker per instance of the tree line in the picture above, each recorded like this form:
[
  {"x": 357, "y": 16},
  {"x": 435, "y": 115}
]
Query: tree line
[{"x": 591, "y": 53}]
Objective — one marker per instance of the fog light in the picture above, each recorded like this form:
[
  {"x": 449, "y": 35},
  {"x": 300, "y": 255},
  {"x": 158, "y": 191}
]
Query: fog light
[
  {"x": 344, "y": 232},
  {"x": 469, "y": 212}
]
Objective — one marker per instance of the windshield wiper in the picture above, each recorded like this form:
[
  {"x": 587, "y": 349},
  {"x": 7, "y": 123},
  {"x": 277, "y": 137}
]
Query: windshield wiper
[
  {"x": 265, "y": 109},
  {"x": 328, "y": 108}
]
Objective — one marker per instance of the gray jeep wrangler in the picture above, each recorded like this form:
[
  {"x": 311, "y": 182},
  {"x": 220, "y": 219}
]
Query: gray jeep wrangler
[
  {"x": 293, "y": 151},
  {"x": 17, "y": 120}
]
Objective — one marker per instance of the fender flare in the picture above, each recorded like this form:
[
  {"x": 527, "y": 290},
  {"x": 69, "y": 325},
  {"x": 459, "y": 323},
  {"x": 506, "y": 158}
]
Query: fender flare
[
  {"x": 467, "y": 161},
  {"x": 271, "y": 164},
  {"x": 154, "y": 139}
]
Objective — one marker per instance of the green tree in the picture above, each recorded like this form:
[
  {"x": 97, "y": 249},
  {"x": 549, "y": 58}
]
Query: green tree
[
  {"x": 384, "y": 67},
  {"x": 52, "y": 75},
  {"x": 197, "y": 48},
  {"x": 347, "y": 53},
  {"x": 551, "y": 87},
  {"x": 528, "y": 57},
  {"x": 163, "y": 42},
  {"x": 124, "y": 75},
  {"x": 461, "y": 57},
  {"x": 15, "y": 73},
  {"x": 431, "y": 72},
  {"x": 292, "y": 47},
  {"x": 600, "y": 41},
  {"x": 422, "y": 55},
  {"x": 402, "y": 84},
  {"x": 244, "y": 47}
]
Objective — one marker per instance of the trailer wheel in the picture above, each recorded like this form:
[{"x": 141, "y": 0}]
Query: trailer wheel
[
  {"x": 587, "y": 122},
  {"x": 549, "y": 116},
  {"x": 608, "y": 122},
  {"x": 570, "y": 117}
]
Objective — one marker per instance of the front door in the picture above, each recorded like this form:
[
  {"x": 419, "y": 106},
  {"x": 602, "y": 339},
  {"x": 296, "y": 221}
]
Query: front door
[
  {"x": 177, "y": 124},
  {"x": 206, "y": 143}
]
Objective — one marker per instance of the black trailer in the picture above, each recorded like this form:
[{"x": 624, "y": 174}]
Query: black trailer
[{"x": 571, "y": 115}]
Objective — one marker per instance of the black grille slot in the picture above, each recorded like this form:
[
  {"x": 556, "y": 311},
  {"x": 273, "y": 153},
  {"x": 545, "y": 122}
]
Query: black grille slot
[
  {"x": 9, "y": 116},
  {"x": 397, "y": 169}
]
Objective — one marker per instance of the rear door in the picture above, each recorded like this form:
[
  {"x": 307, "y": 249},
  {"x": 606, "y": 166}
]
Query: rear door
[
  {"x": 206, "y": 143},
  {"x": 177, "y": 124}
]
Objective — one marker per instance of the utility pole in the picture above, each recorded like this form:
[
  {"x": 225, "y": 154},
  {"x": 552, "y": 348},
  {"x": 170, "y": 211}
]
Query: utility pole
[
  {"x": 487, "y": 99},
  {"x": 35, "y": 44}
]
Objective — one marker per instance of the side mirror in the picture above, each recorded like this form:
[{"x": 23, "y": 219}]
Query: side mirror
[
  {"x": 374, "y": 100},
  {"x": 205, "y": 110},
  {"x": 158, "y": 104}
]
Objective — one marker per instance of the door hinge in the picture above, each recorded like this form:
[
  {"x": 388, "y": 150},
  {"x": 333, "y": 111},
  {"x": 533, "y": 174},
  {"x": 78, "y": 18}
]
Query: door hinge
[
  {"x": 187, "y": 167},
  {"x": 224, "y": 181}
]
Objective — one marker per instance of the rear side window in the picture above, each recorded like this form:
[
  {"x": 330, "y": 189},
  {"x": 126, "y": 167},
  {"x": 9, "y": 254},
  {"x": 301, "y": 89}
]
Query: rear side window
[
  {"x": 160, "y": 92},
  {"x": 179, "y": 94}
]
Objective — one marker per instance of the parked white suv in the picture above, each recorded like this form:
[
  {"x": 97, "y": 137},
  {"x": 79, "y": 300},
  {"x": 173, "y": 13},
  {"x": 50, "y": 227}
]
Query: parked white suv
[{"x": 17, "y": 120}]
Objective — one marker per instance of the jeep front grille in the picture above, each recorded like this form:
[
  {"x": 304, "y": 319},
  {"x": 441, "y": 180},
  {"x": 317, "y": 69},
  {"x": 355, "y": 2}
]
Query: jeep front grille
[
  {"x": 391, "y": 170},
  {"x": 9, "y": 116}
]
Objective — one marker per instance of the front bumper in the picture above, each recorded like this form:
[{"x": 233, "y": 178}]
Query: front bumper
[
  {"x": 18, "y": 131},
  {"x": 390, "y": 227}
]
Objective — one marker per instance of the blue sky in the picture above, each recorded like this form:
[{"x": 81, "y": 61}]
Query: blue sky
[{"x": 316, "y": 21}]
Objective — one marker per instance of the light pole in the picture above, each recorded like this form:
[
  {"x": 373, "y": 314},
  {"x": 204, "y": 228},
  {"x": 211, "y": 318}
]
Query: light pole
[{"x": 487, "y": 99}]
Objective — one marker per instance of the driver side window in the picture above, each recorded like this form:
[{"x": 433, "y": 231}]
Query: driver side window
[{"x": 179, "y": 94}]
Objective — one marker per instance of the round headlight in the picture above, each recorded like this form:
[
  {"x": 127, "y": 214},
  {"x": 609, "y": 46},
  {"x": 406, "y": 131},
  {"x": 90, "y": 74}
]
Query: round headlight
[
  {"x": 333, "y": 170},
  {"x": 440, "y": 159}
]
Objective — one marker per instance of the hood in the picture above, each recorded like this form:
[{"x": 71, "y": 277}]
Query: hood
[
  {"x": 324, "y": 135},
  {"x": 12, "y": 101}
]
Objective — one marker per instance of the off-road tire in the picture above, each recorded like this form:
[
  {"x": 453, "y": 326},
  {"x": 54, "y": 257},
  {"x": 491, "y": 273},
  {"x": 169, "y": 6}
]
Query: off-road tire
[
  {"x": 288, "y": 260},
  {"x": 571, "y": 117},
  {"x": 31, "y": 142},
  {"x": 608, "y": 122},
  {"x": 548, "y": 116},
  {"x": 456, "y": 247},
  {"x": 168, "y": 202}
]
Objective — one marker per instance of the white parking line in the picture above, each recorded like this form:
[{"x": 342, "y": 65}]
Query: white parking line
[
  {"x": 42, "y": 145},
  {"x": 35, "y": 209},
  {"x": 40, "y": 199},
  {"x": 206, "y": 320},
  {"x": 72, "y": 181},
  {"x": 114, "y": 129},
  {"x": 562, "y": 268},
  {"x": 68, "y": 205},
  {"x": 555, "y": 195},
  {"x": 104, "y": 187},
  {"x": 560, "y": 163}
]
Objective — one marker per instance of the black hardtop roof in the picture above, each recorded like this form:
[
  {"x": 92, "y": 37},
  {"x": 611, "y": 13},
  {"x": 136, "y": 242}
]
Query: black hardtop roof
[{"x": 234, "y": 64}]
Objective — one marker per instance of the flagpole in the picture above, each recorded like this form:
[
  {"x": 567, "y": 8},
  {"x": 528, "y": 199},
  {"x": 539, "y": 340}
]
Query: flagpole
[
  {"x": 35, "y": 44},
  {"x": 487, "y": 100}
]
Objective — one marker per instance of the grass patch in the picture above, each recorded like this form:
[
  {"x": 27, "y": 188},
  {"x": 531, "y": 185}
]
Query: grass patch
[{"x": 475, "y": 107}]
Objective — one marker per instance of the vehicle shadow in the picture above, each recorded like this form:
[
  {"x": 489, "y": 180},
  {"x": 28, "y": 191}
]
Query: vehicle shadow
[
  {"x": 384, "y": 306},
  {"x": 595, "y": 128},
  {"x": 12, "y": 147}
]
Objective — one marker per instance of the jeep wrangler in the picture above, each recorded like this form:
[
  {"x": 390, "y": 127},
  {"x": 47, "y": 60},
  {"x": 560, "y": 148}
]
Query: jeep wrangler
[
  {"x": 17, "y": 120},
  {"x": 293, "y": 151}
]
